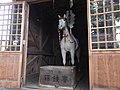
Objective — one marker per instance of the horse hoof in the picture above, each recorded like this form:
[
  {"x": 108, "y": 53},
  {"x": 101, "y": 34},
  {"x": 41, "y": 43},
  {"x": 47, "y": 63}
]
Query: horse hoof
[
  {"x": 64, "y": 65},
  {"x": 73, "y": 64}
]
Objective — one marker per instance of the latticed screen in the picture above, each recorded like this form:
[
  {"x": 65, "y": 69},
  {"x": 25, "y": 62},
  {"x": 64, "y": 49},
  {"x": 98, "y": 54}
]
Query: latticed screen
[
  {"x": 105, "y": 24},
  {"x": 10, "y": 27}
]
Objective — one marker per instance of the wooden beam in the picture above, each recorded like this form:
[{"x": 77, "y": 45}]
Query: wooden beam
[
  {"x": 34, "y": 38},
  {"x": 38, "y": 52},
  {"x": 33, "y": 59},
  {"x": 34, "y": 1}
]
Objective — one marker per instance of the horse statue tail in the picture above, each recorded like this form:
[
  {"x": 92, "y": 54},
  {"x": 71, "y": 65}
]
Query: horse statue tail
[
  {"x": 70, "y": 31},
  {"x": 76, "y": 42}
]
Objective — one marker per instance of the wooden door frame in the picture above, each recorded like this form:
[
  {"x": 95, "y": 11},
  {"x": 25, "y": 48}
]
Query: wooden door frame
[
  {"x": 22, "y": 53},
  {"x": 24, "y": 64},
  {"x": 25, "y": 42},
  {"x": 89, "y": 47}
]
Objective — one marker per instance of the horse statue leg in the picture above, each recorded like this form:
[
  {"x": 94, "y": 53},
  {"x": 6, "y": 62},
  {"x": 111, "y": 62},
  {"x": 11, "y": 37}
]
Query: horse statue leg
[
  {"x": 72, "y": 53},
  {"x": 63, "y": 56},
  {"x": 78, "y": 54},
  {"x": 78, "y": 59}
]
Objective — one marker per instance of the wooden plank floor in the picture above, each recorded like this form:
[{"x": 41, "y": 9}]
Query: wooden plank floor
[
  {"x": 80, "y": 86},
  {"x": 44, "y": 88}
]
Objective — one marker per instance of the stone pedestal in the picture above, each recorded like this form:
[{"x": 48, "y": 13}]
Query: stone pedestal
[{"x": 58, "y": 76}]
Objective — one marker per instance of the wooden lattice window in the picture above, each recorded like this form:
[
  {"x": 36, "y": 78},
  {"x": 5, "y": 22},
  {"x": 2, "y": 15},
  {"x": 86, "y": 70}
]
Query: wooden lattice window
[
  {"x": 105, "y": 24},
  {"x": 10, "y": 27}
]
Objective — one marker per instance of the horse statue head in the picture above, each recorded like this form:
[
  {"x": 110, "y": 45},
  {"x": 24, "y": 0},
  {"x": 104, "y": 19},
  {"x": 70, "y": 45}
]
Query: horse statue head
[{"x": 62, "y": 22}]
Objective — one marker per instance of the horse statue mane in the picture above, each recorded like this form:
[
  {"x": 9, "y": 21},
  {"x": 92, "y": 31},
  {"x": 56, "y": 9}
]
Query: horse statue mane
[{"x": 68, "y": 43}]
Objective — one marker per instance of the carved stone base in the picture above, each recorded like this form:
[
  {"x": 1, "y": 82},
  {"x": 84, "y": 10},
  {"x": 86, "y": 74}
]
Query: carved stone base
[{"x": 58, "y": 76}]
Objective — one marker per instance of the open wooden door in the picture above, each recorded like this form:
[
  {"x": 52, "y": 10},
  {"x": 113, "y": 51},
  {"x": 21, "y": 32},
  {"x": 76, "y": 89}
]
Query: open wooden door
[
  {"x": 13, "y": 43},
  {"x": 104, "y": 44}
]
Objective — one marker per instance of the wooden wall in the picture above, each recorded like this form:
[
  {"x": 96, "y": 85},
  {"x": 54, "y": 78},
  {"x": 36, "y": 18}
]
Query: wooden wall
[
  {"x": 33, "y": 43},
  {"x": 10, "y": 70},
  {"x": 106, "y": 70},
  {"x": 40, "y": 39}
]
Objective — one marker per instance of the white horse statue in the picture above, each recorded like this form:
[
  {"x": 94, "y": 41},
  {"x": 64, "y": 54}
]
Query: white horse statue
[{"x": 68, "y": 43}]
